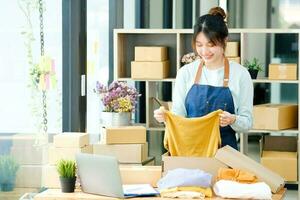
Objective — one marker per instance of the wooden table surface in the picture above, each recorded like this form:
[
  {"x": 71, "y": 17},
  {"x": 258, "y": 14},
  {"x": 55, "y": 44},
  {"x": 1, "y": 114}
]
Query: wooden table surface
[{"x": 56, "y": 194}]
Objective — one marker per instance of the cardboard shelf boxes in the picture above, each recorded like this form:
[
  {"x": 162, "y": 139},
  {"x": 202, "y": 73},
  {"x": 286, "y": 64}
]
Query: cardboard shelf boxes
[
  {"x": 150, "y": 62},
  {"x": 232, "y": 51},
  {"x": 283, "y": 71},
  {"x": 279, "y": 154},
  {"x": 275, "y": 116}
]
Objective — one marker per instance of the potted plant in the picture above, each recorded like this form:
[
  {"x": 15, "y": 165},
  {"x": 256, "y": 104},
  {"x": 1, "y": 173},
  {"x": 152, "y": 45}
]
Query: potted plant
[
  {"x": 253, "y": 67},
  {"x": 119, "y": 102},
  {"x": 8, "y": 171},
  {"x": 67, "y": 175}
]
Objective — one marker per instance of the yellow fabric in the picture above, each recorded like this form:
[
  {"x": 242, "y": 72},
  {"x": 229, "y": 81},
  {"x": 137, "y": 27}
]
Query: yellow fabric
[
  {"x": 198, "y": 136},
  {"x": 206, "y": 191},
  {"x": 236, "y": 175}
]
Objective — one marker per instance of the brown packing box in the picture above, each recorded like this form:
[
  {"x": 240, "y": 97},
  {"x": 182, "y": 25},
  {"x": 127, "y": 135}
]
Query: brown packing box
[
  {"x": 123, "y": 135},
  {"x": 235, "y": 59},
  {"x": 125, "y": 153},
  {"x": 150, "y": 161},
  {"x": 279, "y": 154},
  {"x": 236, "y": 159},
  {"x": 275, "y": 116},
  {"x": 150, "y": 53},
  {"x": 30, "y": 155},
  {"x": 150, "y": 70},
  {"x": 140, "y": 174},
  {"x": 283, "y": 71},
  {"x": 232, "y": 49},
  {"x": 58, "y": 153},
  {"x": 75, "y": 140},
  {"x": 210, "y": 165}
]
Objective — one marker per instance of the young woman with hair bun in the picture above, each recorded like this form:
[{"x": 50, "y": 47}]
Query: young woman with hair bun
[{"x": 212, "y": 82}]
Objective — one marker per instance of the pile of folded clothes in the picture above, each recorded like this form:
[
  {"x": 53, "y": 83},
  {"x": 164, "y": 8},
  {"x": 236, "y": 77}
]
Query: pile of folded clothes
[
  {"x": 185, "y": 183},
  {"x": 235, "y": 183}
]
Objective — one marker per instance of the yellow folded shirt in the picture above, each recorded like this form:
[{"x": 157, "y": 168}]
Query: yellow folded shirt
[
  {"x": 206, "y": 191},
  {"x": 236, "y": 175},
  {"x": 198, "y": 136}
]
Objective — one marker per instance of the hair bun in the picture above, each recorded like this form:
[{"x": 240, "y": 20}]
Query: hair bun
[{"x": 217, "y": 11}]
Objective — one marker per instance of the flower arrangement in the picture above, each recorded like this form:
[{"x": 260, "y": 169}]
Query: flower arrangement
[
  {"x": 189, "y": 57},
  {"x": 117, "y": 97}
]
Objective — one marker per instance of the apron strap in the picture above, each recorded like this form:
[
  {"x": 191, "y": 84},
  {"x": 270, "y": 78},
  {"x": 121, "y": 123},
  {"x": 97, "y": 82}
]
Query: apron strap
[{"x": 226, "y": 72}]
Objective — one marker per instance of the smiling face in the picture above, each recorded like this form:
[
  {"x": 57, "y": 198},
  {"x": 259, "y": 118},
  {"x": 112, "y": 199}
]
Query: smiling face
[{"x": 211, "y": 53}]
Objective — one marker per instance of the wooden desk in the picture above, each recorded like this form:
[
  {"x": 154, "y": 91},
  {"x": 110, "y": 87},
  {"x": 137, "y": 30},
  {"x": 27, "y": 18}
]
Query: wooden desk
[{"x": 56, "y": 194}]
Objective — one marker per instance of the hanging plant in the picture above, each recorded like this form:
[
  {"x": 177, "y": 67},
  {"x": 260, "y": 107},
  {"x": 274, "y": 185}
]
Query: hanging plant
[{"x": 42, "y": 75}]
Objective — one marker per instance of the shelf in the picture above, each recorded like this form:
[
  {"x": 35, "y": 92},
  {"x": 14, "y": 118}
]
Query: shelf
[
  {"x": 266, "y": 80},
  {"x": 150, "y": 80},
  {"x": 294, "y": 131}
]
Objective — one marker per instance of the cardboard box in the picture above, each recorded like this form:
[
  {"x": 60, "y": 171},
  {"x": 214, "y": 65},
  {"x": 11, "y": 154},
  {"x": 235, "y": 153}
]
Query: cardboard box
[
  {"x": 125, "y": 153},
  {"x": 29, "y": 176},
  {"x": 140, "y": 174},
  {"x": 123, "y": 135},
  {"x": 279, "y": 154},
  {"x": 30, "y": 155},
  {"x": 232, "y": 49},
  {"x": 58, "y": 153},
  {"x": 275, "y": 116},
  {"x": 283, "y": 71},
  {"x": 50, "y": 177},
  {"x": 150, "y": 53},
  {"x": 71, "y": 140},
  {"x": 150, "y": 161},
  {"x": 235, "y": 59},
  {"x": 210, "y": 165},
  {"x": 236, "y": 159},
  {"x": 150, "y": 70}
]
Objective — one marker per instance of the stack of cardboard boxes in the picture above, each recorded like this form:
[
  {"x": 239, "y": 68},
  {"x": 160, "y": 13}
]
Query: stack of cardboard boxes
[
  {"x": 65, "y": 146},
  {"x": 232, "y": 52},
  {"x": 150, "y": 62},
  {"x": 31, "y": 158},
  {"x": 128, "y": 144}
]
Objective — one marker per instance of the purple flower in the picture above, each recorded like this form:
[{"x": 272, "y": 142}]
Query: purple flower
[{"x": 111, "y": 94}]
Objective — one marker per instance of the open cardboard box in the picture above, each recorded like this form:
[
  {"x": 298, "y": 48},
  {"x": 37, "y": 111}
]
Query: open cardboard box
[{"x": 225, "y": 157}]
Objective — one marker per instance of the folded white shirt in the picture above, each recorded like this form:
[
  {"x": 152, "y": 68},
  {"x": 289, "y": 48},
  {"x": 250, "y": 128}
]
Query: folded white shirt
[{"x": 233, "y": 189}]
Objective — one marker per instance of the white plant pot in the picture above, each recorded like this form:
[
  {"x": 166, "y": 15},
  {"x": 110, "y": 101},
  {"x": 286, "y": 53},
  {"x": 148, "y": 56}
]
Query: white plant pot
[{"x": 115, "y": 119}]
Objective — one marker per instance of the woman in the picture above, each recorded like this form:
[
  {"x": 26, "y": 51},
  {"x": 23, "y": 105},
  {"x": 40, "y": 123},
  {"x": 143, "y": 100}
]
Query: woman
[{"x": 212, "y": 82}]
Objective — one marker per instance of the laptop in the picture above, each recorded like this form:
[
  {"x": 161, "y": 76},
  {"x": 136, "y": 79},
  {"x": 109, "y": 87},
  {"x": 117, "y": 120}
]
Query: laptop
[{"x": 100, "y": 175}]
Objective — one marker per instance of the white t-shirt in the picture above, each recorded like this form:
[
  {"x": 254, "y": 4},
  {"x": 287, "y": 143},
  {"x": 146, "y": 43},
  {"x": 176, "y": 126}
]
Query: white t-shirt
[{"x": 240, "y": 84}]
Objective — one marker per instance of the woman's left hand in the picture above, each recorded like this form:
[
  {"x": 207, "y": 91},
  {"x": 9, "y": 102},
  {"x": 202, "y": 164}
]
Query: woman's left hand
[{"x": 226, "y": 119}]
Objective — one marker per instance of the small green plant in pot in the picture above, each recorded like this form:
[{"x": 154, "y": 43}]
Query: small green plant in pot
[
  {"x": 253, "y": 67},
  {"x": 8, "y": 171},
  {"x": 67, "y": 175}
]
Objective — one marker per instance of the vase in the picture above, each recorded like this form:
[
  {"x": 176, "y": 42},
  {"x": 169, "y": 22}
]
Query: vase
[{"x": 115, "y": 119}]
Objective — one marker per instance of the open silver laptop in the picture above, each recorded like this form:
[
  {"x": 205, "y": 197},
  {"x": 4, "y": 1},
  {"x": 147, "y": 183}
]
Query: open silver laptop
[{"x": 101, "y": 175}]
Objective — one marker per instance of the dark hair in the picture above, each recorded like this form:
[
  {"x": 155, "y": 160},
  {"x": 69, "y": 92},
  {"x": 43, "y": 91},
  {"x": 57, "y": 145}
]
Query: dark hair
[{"x": 213, "y": 26}]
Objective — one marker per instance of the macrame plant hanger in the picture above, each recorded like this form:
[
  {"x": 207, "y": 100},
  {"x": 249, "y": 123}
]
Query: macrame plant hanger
[{"x": 42, "y": 43}]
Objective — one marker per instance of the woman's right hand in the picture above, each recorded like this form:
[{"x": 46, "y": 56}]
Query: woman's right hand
[{"x": 159, "y": 115}]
